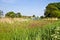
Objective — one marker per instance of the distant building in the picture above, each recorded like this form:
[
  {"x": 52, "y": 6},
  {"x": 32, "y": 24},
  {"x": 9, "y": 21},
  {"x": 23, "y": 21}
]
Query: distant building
[{"x": 35, "y": 18}]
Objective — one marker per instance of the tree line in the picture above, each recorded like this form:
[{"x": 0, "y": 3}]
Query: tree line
[
  {"x": 12, "y": 14},
  {"x": 52, "y": 11}
]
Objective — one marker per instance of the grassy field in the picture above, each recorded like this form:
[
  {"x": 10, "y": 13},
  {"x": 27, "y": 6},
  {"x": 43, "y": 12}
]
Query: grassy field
[{"x": 30, "y": 30}]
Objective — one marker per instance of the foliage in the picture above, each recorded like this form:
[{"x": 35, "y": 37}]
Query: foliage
[
  {"x": 41, "y": 16},
  {"x": 52, "y": 10},
  {"x": 1, "y": 13},
  {"x": 10, "y": 14},
  {"x": 31, "y": 30},
  {"x": 33, "y": 15},
  {"x": 56, "y": 34},
  {"x": 18, "y": 15}
]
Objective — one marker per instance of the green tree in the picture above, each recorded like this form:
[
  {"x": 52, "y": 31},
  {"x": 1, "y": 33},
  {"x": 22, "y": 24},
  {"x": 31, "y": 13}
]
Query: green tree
[
  {"x": 18, "y": 15},
  {"x": 52, "y": 10},
  {"x": 1, "y": 13},
  {"x": 10, "y": 14},
  {"x": 41, "y": 16},
  {"x": 33, "y": 15}
]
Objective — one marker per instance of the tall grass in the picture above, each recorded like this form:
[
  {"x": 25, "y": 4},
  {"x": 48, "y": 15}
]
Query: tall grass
[{"x": 31, "y": 30}]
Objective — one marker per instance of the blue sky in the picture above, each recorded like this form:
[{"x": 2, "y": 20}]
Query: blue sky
[{"x": 25, "y": 7}]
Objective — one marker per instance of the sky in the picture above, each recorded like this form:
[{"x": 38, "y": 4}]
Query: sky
[{"x": 25, "y": 7}]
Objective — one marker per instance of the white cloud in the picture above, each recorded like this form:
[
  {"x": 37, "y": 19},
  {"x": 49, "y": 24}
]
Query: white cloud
[{"x": 8, "y": 1}]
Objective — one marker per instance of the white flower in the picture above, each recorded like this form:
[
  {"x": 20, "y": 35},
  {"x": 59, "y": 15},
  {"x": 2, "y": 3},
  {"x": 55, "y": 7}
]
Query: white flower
[
  {"x": 55, "y": 36},
  {"x": 58, "y": 28},
  {"x": 52, "y": 35},
  {"x": 57, "y": 32}
]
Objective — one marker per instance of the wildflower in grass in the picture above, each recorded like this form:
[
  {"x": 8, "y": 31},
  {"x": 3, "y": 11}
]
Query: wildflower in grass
[
  {"x": 57, "y": 32},
  {"x": 55, "y": 36},
  {"x": 58, "y": 28},
  {"x": 59, "y": 38}
]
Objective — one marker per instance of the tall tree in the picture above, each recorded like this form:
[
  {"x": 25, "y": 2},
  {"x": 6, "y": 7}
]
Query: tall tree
[
  {"x": 52, "y": 10},
  {"x": 10, "y": 14}
]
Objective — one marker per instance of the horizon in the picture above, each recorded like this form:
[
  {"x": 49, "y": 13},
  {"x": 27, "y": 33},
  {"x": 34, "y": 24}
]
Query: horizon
[{"x": 25, "y": 7}]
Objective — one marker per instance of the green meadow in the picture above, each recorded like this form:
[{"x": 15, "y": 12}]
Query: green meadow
[
  {"x": 29, "y": 20},
  {"x": 30, "y": 30}
]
